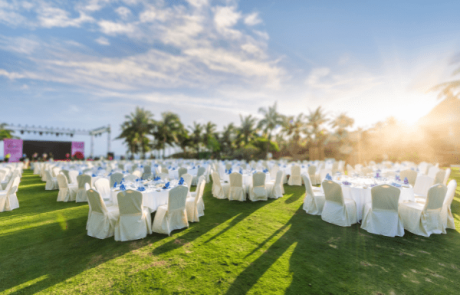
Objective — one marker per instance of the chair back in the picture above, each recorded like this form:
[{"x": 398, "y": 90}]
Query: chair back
[
  {"x": 187, "y": 179},
  {"x": 48, "y": 175},
  {"x": 147, "y": 169},
  {"x": 130, "y": 202},
  {"x": 200, "y": 171},
  {"x": 62, "y": 181},
  {"x": 13, "y": 185},
  {"x": 177, "y": 198},
  {"x": 439, "y": 177},
  {"x": 333, "y": 192},
  {"x": 411, "y": 176},
  {"x": 215, "y": 177},
  {"x": 274, "y": 170},
  {"x": 308, "y": 187},
  {"x": 96, "y": 204},
  {"x": 279, "y": 177},
  {"x": 82, "y": 180},
  {"x": 73, "y": 176},
  {"x": 422, "y": 184},
  {"x": 2, "y": 174},
  {"x": 137, "y": 173},
  {"x": 131, "y": 177},
  {"x": 258, "y": 179},
  {"x": 433, "y": 171},
  {"x": 446, "y": 176},
  {"x": 385, "y": 197},
  {"x": 115, "y": 177},
  {"x": 312, "y": 170},
  {"x": 67, "y": 175},
  {"x": 182, "y": 171},
  {"x": 103, "y": 187},
  {"x": 236, "y": 179},
  {"x": 228, "y": 166},
  {"x": 200, "y": 190},
  {"x": 295, "y": 170},
  {"x": 450, "y": 193},
  {"x": 435, "y": 197}
]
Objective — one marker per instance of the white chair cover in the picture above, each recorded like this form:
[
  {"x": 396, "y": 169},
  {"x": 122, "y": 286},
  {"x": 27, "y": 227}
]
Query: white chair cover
[
  {"x": 236, "y": 192},
  {"x": 51, "y": 182},
  {"x": 73, "y": 177},
  {"x": 312, "y": 175},
  {"x": 257, "y": 191},
  {"x": 219, "y": 189},
  {"x": 134, "y": 222},
  {"x": 295, "y": 178},
  {"x": 195, "y": 204},
  {"x": 103, "y": 188},
  {"x": 67, "y": 192},
  {"x": 199, "y": 173},
  {"x": 425, "y": 219},
  {"x": 8, "y": 199},
  {"x": 188, "y": 180},
  {"x": 82, "y": 180},
  {"x": 337, "y": 209},
  {"x": 275, "y": 188},
  {"x": 115, "y": 177},
  {"x": 181, "y": 171},
  {"x": 439, "y": 177},
  {"x": 313, "y": 202},
  {"x": 173, "y": 215},
  {"x": 101, "y": 219},
  {"x": 422, "y": 185},
  {"x": 446, "y": 212},
  {"x": 67, "y": 175},
  {"x": 131, "y": 177},
  {"x": 446, "y": 176},
  {"x": 147, "y": 172},
  {"x": 411, "y": 176},
  {"x": 381, "y": 217}
]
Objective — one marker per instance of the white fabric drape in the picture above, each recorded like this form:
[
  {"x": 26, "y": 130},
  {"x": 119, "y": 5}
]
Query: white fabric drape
[
  {"x": 236, "y": 191},
  {"x": 134, "y": 222},
  {"x": 337, "y": 209},
  {"x": 101, "y": 219},
  {"x": 219, "y": 189},
  {"x": 195, "y": 204},
  {"x": 82, "y": 180},
  {"x": 51, "y": 182},
  {"x": 67, "y": 192},
  {"x": 314, "y": 201},
  {"x": 446, "y": 212},
  {"x": 295, "y": 178},
  {"x": 257, "y": 190},
  {"x": 275, "y": 188},
  {"x": 174, "y": 215},
  {"x": 8, "y": 199}
]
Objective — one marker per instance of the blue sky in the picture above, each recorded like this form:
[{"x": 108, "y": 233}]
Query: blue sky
[{"x": 85, "y": 64}]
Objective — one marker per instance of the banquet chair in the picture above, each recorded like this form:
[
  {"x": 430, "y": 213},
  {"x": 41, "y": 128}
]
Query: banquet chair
[
  {"x": 8, "y": 199},
  {"x": 411, "y": 176},
  {"x": 115, "y": 177},
  {"x": 446, "y": 176},
  {"x": 164, "y": 176},
  {"x": 2, "y": 175},
  {"x": 448, "y": 219},
  {"x": 51, "y": 182},
  {"x": 173, "y": 215},
  {"x": 188, "y": 180},
  {"x": 164, "y": 170},
  {"x": 421, "y": 187},
  {"x": 425, "y": 219},
  {"x": 134, "y": 222},
  {"x": 87, "y": 171},
  {"x": 84, "y": 183},
  {"x": 323, "y": 173},
  {"x": 312, "y": 174},
  {"x": 147, "y": 172},
  {"x": 257, "y": 190},
  {"x": 439, "y": 177},
  {"x": 219, "y": 189},
  {"x": 137, "y": 173},
  {"x": 433, "y": 171},
  {"x": 131, "y": 177},
  {"x": 236, "y": 192},
  {"x": 275, "y": 187},
  {"x": 101, "y": 218},
  {"x": 73, "y": 176},
  {"x": 181, "y": 171},
  {"x": 55, "y": 171},
  {"x": 295, "y": 178},
  {"x": 67, "y": 192},
  {"x": 228, "y": 166},
  {"x": 313, "y": 202},
  {"x": 194, "y": 203},
  {"x": 274, "y": 170},
  {"x": 102, "y": 186},
  {"x": 381, "y": 216},
  {"x": 199, "y": 173},
  {"x": 337, "y": 209},
  {"x": 67, "y": 175},
  {"x": 37, "y": 167},
  {"x": 121, "y": 166}
]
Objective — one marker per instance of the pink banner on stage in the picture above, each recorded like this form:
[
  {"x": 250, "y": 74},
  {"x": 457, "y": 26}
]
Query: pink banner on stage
[
  {"x": 14, "y": 148},
  {"x": 78, "y": 146}
]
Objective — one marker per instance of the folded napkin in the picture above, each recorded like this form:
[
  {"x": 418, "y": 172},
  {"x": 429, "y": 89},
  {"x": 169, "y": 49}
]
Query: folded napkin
[
  {"x": 115, "y": 184},
  {"x": 138, "y": 179},
  {"x": 166, "y": 185},
  {"x": 346, "y": 183},
  {"x": 328, "y": 177},
  {"x": 122, "y": 187},
  {"x": 406, "y": 181},
  {"x": 157, "y": 178},
  {"x": 141, "y": 188},
  {"x": 142, "y": 166},
  {"x": 193, "y": 167},
  {"x": 395, "y": 184},
  {"x": 229, "y": 171},
  {"x": 265, "y": 171},
  {"x": 156, "y": 165},
  {"x": 80, "y": 173},
  {"x": 181, "y": 181},
  {"x": 100, "y": 168},
  {"x": 110, "y": 174},
  {"x": 94, "y": 175},
  {"x": 241, "y": 171},
  {"x": 173, "y": 169}
]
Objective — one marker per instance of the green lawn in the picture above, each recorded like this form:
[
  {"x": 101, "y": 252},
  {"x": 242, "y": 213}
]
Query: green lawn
[{"x": 236, "y": 248}]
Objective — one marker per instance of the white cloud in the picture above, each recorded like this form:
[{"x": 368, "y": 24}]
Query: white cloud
[
  {"x": 11, "y": 75},
  {"x": 252, "y": 19},
  {"x": 225, "y": 18},
  {"x": 49, "y": 17},
  {"x": 102, "y": 41},
  {"x": 123, "y": 12},
  {"x": 113, "y": 28},
  {"x": 198, "y": 3}
]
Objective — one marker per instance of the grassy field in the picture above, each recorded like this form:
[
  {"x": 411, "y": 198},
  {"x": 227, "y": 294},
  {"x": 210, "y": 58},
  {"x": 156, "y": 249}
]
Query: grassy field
[{"x": 269, "y": 247}]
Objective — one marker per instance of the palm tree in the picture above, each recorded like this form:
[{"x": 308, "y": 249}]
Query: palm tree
[
  {"x": 209, "y": 130},
  {"x": 247, "y": 130},
  {"x": 447, "y": 89},
  {"x": 341, "y": 123},
  {"x": 5, "y": 133},
  {"x": 167, "y": 131},
  {"x": 184, "y": 140},
  {"x": 271, "y": 119},
  {"x": 135, "y": 130},
  {"x": 226, "y": 138},
  {"x": 196, "y": 136},
  {"x": 294, "y": 126},
  {"x": 315, "y": 131}
]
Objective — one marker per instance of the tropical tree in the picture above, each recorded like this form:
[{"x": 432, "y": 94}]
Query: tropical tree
[
  {"x": 227, "y": 138},
  {"x": 184, "y": 140},
  {"x": 135, "y": 130},
  {"x": 4, "y": 132},
  {"x": 341, "y": 123},
  {"x": 271, "y": 119},
  {"x": 196, "y": 136},
  {"x": 447, "y": 89},
  {"x": 316, "y": 132},
  {"x": 294, "y": 126},
  {"x": 167, "y": 131},
  {"x": 208, "y": 135},
  {"x": 247, "y": 130}
]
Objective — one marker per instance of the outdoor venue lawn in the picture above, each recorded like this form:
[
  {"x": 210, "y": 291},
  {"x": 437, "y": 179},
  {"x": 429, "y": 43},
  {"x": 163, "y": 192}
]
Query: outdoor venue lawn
[{"x": 262, "y": 248}]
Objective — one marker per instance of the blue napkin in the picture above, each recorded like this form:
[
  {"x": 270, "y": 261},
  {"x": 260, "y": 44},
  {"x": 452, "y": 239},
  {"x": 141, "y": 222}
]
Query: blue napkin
[
  {"x": 328, "y": 177},
  {"x": 181, "y": 181},
  {"x": 141, "y": 188},
  {"x": 241, "y": 171},
  {"x": 346, "y": 183},
  {"x": 122, "y": 187},
  {"x": 142, "y": 166},
  {"x": 110, "y": 173},
  {"x": 265, "y": 171},
  {"x": 193, "y": 167},
  {"x": 173, "y": 169},
  {"x": 157, "y": 178},
  {"x": 100, "y": 168},
  {"x": 115, "y": 184},
  {"x": 138, "y": 179},
  {"x": 156, "y": 165},
  {"x": 406, "y": 181},
  {"x": 80, "y": 173},
  {"x": 169, "y": 167},
  {"x": 395, "y": 184},
  {"x": 166, "y": 185},
  {"x": 226, "y": 171},
  {"x": 94, "y": 175}
]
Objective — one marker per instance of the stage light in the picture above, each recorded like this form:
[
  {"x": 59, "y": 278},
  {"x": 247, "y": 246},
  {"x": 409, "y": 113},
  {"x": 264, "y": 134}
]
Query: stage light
[
  {"x": 57, "y": 134},
  {"x": 22, "y": 131},
  {"x": 41, "y": 133},
  {"x": 71, "y": 134}
]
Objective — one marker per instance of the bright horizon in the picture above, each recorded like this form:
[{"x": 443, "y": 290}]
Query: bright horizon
[{"x": 90, "y": 63}]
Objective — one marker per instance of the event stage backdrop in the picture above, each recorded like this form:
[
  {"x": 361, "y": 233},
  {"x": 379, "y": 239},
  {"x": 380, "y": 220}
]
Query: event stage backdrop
[{"x": 17, "y": 147}]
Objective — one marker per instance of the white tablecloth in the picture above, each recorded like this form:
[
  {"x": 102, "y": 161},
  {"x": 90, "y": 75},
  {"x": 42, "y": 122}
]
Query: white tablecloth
[{"x": 152, "y": 198}]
